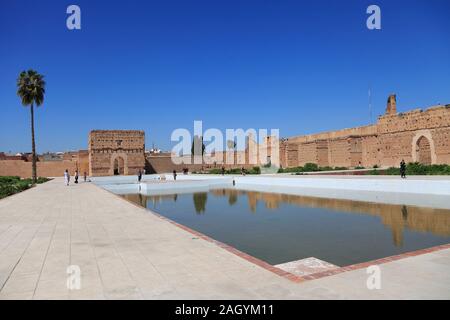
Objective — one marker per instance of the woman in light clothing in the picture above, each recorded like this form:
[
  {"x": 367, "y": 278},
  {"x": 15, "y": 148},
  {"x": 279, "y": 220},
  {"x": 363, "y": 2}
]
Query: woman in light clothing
[{"x": 66, "y": 177}]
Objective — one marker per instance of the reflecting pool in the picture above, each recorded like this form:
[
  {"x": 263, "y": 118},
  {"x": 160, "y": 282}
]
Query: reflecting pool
[{"x": 278, "y": 228}]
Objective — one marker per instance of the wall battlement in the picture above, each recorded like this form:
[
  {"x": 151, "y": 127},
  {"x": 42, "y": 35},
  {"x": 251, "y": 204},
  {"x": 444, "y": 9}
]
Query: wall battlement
[{"x": 416, "y": 135}]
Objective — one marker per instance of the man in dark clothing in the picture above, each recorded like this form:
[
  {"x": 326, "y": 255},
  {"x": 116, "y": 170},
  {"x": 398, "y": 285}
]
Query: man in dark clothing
[
  {"x": 223, "y": 170},
  {"x": 403, "y": 169},
  {"x": 174, "y": 174},
  {"x": 139, "y": 175}
]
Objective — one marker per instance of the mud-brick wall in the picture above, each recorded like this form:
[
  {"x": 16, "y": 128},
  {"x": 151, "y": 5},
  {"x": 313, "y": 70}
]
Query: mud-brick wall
[
  {"x": 370, "y": 151},
  {"x": 292, "y": 155},
  {"x": 432, "y": 118},
  {"x": 441, "y": 139},
  {"x": 323, "y": 159},
  {"x": 355, "y": 151},
  {"x": 44, "y": 169},
  {"x": 339, "y": 152},
  {"x": 307, "y": 153},
  {"x": 107, "y": 145},
  {"x": 395, "y": 147}
]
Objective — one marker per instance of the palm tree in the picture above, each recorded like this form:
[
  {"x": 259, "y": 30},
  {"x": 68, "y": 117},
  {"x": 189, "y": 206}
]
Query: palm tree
[{"x": 31, "y": 90}]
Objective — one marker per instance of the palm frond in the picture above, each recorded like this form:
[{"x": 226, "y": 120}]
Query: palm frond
[{"x": 31, "y": 87}]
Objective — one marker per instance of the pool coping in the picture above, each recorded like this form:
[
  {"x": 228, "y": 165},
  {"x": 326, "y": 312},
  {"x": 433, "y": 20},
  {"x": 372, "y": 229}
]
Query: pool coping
[{"x": 287, "y": 275}]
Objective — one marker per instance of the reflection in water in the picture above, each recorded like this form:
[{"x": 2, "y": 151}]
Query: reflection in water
[
  {"x": 142, "y": 200},
  {"x": 396, "y": 217},
  {"x": 405, "y": 213},
  {"x": 232, "y": 198},
  {"x": 200, "y": 199},
  {"x": 278, "y": 227}
]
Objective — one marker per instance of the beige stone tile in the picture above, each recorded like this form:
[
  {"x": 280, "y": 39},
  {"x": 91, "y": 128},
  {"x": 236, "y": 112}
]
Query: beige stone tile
[{"x": 125, "y": 252}]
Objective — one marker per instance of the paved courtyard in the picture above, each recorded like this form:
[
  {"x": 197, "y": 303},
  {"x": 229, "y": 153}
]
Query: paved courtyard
[{"x": 125, "y": 252}]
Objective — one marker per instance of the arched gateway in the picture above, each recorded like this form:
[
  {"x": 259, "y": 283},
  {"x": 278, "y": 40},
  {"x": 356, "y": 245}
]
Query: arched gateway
[
  {"x": 118, "y": 166},
  {"x": 423, "y": 148}
]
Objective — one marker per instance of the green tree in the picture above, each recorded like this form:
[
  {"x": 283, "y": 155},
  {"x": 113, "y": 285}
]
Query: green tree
[
  {"x": 198, "y": 147},
  {"x": 31, "y": 90},
  {"x": 200, "y": 199}
]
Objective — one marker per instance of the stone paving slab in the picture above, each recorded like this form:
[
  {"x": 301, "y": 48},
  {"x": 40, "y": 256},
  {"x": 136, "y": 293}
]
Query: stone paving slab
[
  {"x": 306, "y": 266},
  {"x": 126, "y": 252}
]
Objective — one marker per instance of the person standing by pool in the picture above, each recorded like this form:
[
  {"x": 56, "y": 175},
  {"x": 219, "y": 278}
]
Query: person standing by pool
[
  {"x": 139, "y": 175},
  {"x": 223, "y": 170},
  {"x": 66, "y": 177},
  {"x": 85, "y": 176},
  {"x": 76, "y": 176},
  {"x": 403, "y": 169},
  {"x": 175, "y": 175}
]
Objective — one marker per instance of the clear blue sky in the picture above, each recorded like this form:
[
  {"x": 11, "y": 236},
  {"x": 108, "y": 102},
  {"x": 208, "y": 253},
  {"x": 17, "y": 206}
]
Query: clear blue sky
[{"x": 300, "y": 66}]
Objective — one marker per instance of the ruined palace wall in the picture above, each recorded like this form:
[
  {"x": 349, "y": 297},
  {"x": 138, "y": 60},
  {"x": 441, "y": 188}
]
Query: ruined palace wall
[
  {"x": 355, "y": 151},
  {"x": 398, "y": 132},
  {"x": 83, "y": 162},
  {"x": 392, "y": 139},
  {"x": 55, "y": 168},
  {"x": 162, "y": 162},
  {"x": 323, "y": 156},
  {"x": 357, "y": 131},
  {"x": 44, "y": 169},
  {"x": 283, "y": 154},
  {"x": 441, "y": 139},
  {"x": 101, "y": 163},
  {"x": 107, "y": 145},
  {"x": 370, "y": 151},
  {"x": 339, "y": 153},
  {"x": 307, "y": 153},
  {"x": 432, "y": 118},
  {"x": 331, "y": 148},
  {"x": 292, "y": 155},
  {"x": 394, "y": 148}
]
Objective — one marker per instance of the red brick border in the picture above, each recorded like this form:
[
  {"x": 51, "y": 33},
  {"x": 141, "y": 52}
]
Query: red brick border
[
  {"x": 376, "y": 262},
  {"x": 280, "y": 272},
  {"x": 233, "y": 250}
]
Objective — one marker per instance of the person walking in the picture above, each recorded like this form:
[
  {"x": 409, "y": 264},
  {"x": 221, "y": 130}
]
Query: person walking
[
  {"x": 175, "y": 175},
  {"x": 66, "y": 177},
  {"x": 403, "y": 169},
  {"x": 76, "y": 176},
  {"x": 85, "y": 176}
]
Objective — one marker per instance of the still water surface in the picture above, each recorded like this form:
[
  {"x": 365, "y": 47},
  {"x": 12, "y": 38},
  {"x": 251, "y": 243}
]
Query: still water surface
[{"x": 278, "y": 228}]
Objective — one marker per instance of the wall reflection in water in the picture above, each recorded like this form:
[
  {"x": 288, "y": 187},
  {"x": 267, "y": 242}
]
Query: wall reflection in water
[{"x": 395, "y": 217}]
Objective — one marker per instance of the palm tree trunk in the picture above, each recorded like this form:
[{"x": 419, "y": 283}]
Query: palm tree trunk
[{"x": 33, "y": 147}]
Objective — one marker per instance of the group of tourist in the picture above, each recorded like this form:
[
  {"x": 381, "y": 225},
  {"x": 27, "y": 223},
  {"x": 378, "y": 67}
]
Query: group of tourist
[
  {"x": 67, "y": 177},
  {"x": 140, "y": 173}
]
